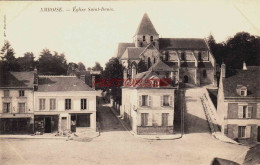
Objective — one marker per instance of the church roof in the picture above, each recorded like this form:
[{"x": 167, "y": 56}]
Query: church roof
[
  {"x": 183, "y": 43},
  {"x": 122, "y": 47},
  {"x": 132, "y": 53},
  {"x": 160, "y": 66},
  {"x": 146, "y": 27}
]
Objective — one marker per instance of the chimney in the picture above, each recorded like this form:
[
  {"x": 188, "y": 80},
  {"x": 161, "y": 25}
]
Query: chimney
[
  {"x": 35, "y": 76},
  {"x": 83, "y": 78},
  {"x": 93, "y": 81},
  {"x": 223, "y": 70},
  {"x": 244, "y": 65}
]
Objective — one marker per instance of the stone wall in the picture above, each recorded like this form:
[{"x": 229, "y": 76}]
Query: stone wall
[{"x": 141, "y": 130}]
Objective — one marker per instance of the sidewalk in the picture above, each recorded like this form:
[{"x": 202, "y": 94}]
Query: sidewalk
[
  {"x": 148, "y": 137},
  {"x": 80, "y": 135}
]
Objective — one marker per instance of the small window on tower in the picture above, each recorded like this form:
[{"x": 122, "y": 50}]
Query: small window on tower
[
  {"x": 143, "y": 38},
  {"x": 151, "y": 38}
]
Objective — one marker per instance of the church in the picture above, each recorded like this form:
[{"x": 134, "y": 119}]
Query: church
[{"x": 184, "y": 60}]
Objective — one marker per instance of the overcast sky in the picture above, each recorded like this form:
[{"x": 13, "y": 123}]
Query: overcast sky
[{"x": 93, "y": 36}]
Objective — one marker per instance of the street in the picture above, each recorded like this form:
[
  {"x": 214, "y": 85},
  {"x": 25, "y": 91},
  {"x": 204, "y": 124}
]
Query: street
[{"x": 117, "y": 146}]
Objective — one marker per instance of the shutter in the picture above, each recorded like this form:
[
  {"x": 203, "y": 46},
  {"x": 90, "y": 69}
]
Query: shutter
[
  {"x": 140, "y": 100},
  {"x": 161, "y": 101},
  {"x": 248, "y": 131},
  {"x": 258, "y": 111},
  {"x": 150, "y": 101},
  {"x": 170, "y": 101},
  {"x": 249, "y": 112},
  {"x": 240, "y": 111}
]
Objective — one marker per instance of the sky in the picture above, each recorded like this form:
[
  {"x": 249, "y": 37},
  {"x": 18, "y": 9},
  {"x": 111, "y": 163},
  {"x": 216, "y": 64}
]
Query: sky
[{"x": 91, "y": 36}]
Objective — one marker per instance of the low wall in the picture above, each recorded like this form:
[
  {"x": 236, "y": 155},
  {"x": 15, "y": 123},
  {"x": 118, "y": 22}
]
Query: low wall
[{"x": 145, "y": 130}]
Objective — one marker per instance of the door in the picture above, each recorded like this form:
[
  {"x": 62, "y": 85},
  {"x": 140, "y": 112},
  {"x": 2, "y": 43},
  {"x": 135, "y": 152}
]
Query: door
[
  {"x": 258, "y": 135},
  {"x": 186, "y": 79},
  {"x": 63, "y": 123},
  {"x": 47, "y": 124}
]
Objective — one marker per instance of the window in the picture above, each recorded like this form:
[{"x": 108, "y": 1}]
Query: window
[
  {"x": 183, "y": 56},
  {"x": 21, "y": 93},
  {"x": 144, "y": 119},
  {"x": 243, "y": 92},
  {"x": 204, "y": 73},
  {"x": 21, "y": 107},
  {"x": 42, "y": 104},
  {"x": 242, "y": 131},
  {"x": 151, "y": 38},
  {"x": 199, "y": 56},
  {"x": 6, "y": 93},
  {"x": 83, "y": 104},
  {"x": 52, "y": 104},
  {"x": 143, "y": 38},
  {"x": 6, "y": 107},
  {"x": 149, "y": 62},
  {"x": 165, "y": 119},
  {"x": 154, "y": 60},
  {"x": 166, "y": 100},
  {"x": 245, "y": 111},
  {"x": 67, "y": 104},
  {"x": 145, "y": 100},
  {"x": 166, "y": 58}
]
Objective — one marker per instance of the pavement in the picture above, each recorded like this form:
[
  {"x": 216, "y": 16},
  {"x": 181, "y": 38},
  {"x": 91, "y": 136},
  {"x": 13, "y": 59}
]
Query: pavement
[{"x": 117, "y": 146}]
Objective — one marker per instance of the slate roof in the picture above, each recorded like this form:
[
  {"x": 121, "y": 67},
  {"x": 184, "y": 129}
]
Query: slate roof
[
  {"x": 17, "y": 80},
  {"x": 122, "y": 47},
  {"x": 62, "y": 83},
  {"x": 132, "y": 53},
  {"x": 247, "y": 78},
  {"x": 188, "y": 64},
  {"x": 160, "y": 66},
  {"x": 182, "y": 43},
  {"x": 146, "y": 27},
  {"x": 205, "y": 65}
]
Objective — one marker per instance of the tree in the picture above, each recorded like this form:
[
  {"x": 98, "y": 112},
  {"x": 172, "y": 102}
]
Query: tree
[
  {"x": 52, "y": 64},
  {"x": 9, "y": 61},
  {"x": 81, "y": 67},
  {"x": 26, "y": 63},
  {"x": 141, "y": 67},
  {"x": 113, "y": 70},
  {"x": 97, "y": 67}
]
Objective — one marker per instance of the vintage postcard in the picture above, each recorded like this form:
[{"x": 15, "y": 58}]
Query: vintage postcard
[{"x": 130, "y": 82}]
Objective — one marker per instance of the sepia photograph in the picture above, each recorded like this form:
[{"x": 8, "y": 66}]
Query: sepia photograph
[{"x": 151, "y": 82}]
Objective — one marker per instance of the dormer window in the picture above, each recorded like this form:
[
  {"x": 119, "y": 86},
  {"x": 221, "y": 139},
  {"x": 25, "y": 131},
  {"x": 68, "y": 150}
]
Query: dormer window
[
  {"x": 242, "y": 90},
  {"x": 151, "y": 38},
  {"x": 243, "y": 93},
  {"x": 143, "y": 38}
]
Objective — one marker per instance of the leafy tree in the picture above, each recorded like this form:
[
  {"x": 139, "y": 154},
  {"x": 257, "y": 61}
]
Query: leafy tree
[
  {"x": 81, "y": 67},
  {"x": 97, "y": 67},
  {"x": 141, "y": 67},
  {"x": 113, "y": 70},
  {"x": 26, "y": 63},
  {"x": 52, "y": 64},
  {"x": 7, "y": 54}
]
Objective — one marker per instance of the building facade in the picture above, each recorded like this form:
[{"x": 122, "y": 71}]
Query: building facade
[
  {"x": 149, "y": 109},
  {"x": 239, "y": 103},
  {"x": 190, "y": 59},
  {"x": 46, "y": 104},
  {"x": 16, "y": 105}
]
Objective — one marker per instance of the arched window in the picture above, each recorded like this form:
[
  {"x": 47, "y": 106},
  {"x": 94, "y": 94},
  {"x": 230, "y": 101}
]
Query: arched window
[
  {"x": 143, "y": 38},
  {"x": 149, "y": 62},
  {"x": 204, "y": 73},
  {"x": 182, "y": 56},
  {"x": 166, "y": 56},
  {"x": 199, "y": 56},
  {"x": 151, "y": 38},
  {"x": 154, "y": 60}
]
